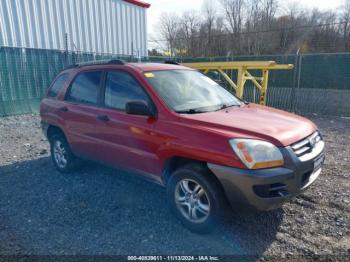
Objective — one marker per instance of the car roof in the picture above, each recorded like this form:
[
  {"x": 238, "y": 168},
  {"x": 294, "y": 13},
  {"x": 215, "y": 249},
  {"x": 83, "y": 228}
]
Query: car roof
[
  {"x": 144, "y": 67},
  {"x": 140, "y": 67}
]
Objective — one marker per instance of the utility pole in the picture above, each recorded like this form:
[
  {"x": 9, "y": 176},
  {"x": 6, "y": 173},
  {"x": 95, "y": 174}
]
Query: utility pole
[{"x": 295, "y": 81}]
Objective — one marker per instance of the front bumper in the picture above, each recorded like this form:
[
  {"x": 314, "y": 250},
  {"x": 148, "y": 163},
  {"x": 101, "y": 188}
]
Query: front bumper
[{"x": 267, "y": 189}]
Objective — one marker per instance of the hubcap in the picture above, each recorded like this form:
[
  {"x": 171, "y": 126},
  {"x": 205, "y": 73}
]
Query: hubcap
[
  {"x": 60, "y": 154},
  {"x": 192, "y": 201}
]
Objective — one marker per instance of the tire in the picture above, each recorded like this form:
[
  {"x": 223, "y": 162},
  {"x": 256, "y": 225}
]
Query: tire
[
  {"x": 61, "y": 154},
  {"x": 196, "y": 198}
]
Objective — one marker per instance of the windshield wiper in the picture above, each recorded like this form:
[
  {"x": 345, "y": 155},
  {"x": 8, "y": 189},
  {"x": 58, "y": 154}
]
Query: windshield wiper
[
  {"x": 198, "y": 111},
  {"x": 224, "y": 106},
  {"x": 190, "y": 111}
]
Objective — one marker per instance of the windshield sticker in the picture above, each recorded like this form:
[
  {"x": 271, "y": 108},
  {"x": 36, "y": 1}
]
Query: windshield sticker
[{"x": 149, "y": 75}]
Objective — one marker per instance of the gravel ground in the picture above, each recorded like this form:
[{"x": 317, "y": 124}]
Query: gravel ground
[{"x": 97, "y": 210}]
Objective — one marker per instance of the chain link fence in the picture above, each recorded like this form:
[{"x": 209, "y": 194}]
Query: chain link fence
[{"x": 319, "y": 83}]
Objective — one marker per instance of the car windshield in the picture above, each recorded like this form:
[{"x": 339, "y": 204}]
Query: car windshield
[{"x": 191, "y": 92}]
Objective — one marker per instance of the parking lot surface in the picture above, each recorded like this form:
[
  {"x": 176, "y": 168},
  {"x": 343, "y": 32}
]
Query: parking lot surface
[{"x": 101, "y": 211}]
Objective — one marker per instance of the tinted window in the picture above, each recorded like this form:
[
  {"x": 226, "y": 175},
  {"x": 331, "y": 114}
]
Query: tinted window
[
  {"x": 122, "y": 88},
  {"x": 86, "y": 88},
  {"x": 57, "y": 85}
]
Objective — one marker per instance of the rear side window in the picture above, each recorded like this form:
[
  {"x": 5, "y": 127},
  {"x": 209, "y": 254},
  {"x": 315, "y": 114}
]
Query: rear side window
[
  {"x": 86, "y": 88},
  {"x": 57, "y": 85},
  {"x": 122, "y": 88}
]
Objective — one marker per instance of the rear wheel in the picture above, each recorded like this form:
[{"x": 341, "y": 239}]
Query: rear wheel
[
  {"x": 61, "y": 155},
  {"x": 196, "y": 198}
]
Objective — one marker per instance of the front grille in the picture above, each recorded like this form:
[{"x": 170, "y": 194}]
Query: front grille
[{"x": 306, "y": 145}]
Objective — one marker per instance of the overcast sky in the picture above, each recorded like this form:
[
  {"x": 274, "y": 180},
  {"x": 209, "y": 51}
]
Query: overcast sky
[{"x": 179, "y": 6}]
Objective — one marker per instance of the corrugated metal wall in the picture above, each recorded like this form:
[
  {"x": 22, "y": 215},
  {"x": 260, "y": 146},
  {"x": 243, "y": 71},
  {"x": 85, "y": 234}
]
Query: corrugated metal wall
[{"x": 103, "y": 26}]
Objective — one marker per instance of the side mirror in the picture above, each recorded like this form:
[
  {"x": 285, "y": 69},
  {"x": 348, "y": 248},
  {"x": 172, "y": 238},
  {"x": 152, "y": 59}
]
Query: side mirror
[{"x": 140, "y": 108}]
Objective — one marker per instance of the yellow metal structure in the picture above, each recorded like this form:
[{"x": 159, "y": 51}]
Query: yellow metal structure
[{"x": 243, "y": 74}]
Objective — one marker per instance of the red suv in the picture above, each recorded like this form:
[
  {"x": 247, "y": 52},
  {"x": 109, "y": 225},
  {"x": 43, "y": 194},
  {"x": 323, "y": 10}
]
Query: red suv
[{"x": 184, "y": 131}]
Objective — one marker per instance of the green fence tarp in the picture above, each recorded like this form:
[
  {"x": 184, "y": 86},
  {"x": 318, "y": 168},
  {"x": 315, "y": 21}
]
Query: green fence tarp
[{"x": 318, "y": 84}]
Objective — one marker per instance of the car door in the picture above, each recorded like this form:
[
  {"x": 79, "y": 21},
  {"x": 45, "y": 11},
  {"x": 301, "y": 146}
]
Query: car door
[
  {"x": 126, "y": 140},
  {"x": 80, "y": 114}
]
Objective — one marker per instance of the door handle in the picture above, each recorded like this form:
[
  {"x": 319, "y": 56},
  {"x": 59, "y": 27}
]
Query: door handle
[
  {"x": 103, "y": 118},
  {"x": 63, "y": 109}
]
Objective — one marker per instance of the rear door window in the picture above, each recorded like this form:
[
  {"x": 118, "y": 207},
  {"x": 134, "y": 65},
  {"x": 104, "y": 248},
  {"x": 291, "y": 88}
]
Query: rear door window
[
  {"x": 122, "y": 88},
  {"x": 57, "y": 85},
  {"x": 86, "y": 88}
]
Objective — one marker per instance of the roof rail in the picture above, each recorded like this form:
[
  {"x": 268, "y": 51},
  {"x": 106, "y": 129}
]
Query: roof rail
[
  {"x": 117, "y": 61},
  {"x": 170, "y": 62},
  {"x": 97, "y": 62},
  {"x": 102, "y": 62}
]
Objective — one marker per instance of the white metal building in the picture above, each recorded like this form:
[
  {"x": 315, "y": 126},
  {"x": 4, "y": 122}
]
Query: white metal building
[{"x": 102, "y": 26}]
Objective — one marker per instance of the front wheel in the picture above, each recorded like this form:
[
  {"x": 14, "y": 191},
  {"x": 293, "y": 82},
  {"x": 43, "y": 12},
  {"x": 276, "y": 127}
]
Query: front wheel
[
  {"x": 61, "y": 155},
  {"x": 196, "y": 198}
]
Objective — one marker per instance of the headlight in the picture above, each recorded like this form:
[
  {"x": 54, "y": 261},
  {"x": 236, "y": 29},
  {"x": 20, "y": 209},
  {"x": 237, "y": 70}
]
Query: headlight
[{"x": 256, "y": 154}]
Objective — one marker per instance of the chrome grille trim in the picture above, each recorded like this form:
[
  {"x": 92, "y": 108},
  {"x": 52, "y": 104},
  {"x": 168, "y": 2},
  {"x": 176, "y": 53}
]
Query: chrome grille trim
[
  {"x": 300, "y": 144},
  {"x": 309, "y": 147},
  {"x": 301, "y": 151}
]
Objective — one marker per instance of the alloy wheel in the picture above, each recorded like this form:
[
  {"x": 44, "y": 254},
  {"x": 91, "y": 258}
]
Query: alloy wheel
[
  {"x": 60, "y": 154},
  {"x": 192, "y": 200}
]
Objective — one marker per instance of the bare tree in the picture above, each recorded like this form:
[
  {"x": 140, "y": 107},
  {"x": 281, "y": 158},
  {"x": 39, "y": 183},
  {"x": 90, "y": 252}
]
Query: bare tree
[
  {"x": 252, "y": 24},
  {"x": 345, "y": 17},
  {"x": 234, "y": 12},
  {"x": 209, "y": 19},
  {"x": 189, "y": 28},
  {"x": 266, "y": 17},
  {"x": 269, "y": 9},
  {"x": 234, "y": 27},
  {"x": 169, "y": 26}
]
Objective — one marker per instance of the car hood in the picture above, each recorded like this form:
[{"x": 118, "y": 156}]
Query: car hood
[{"x": 256, "y": 121}]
